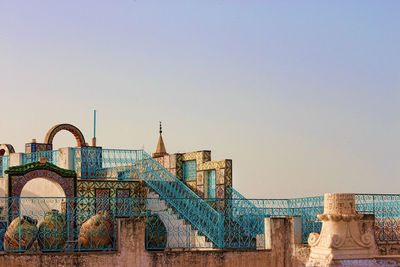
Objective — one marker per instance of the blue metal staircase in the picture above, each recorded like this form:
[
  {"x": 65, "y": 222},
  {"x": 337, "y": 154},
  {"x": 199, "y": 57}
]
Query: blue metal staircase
[
  {"x": 239, "y": 218},
  {"x": 189, "y": 205}
]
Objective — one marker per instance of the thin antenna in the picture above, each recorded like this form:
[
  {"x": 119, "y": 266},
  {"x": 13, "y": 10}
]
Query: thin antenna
[
  {"x": 160, "y": 128},
  {"x": 94, "y": 128}
]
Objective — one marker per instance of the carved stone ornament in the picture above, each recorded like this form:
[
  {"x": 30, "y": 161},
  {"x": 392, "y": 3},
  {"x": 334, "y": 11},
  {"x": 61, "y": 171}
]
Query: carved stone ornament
[{"x": 340, "y": 237}]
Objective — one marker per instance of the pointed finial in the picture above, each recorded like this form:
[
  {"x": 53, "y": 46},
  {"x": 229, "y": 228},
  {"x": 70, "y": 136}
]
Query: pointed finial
[{"x": 160, "y": 128}]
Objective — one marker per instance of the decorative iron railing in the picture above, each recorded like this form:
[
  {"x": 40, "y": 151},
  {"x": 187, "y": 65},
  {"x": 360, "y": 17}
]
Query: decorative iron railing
[
  {"x": 51, "y": 155},
  {"x": 101, "y": 163},
  {"x": 386, "y": 209},
  {"x": 89, "y": 224},
  {"x": 58, "y": 224},
  {"x": 137, "y": 164},
  {"x": 86, "y": 224},
  {"x": 308, "y": 208},
  {"x": 247, "y": 215},
  {"x": 189, "y": 205},
  {"x": 4, "y": 164}
]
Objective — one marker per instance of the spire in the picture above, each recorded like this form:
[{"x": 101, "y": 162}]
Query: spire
[{"x": 160, "y": 150}]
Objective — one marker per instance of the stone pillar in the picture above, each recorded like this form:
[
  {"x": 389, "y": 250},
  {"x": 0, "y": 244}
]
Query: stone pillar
[{"x": 340, "y": 237}]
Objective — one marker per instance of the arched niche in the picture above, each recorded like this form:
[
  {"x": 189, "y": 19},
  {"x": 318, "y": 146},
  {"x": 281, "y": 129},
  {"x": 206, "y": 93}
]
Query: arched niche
[{"x": 80, "y": 139}]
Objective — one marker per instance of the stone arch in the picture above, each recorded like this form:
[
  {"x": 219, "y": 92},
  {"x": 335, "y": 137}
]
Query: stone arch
[
  {"x": 6, "y": 149},
  {"x": 80, "y": 139},
  {"x": 17, "y": 181}
]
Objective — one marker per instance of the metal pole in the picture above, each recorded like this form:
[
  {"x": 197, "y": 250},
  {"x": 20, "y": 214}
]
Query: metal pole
[
  {"x": 94, "y": 129},
  {"x": 94, "y": 124}
]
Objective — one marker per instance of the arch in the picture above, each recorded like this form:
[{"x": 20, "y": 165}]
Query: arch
[
  {"x": 17, "y": 182},
  {"x": 80, "y": 139},
  {"x": 6, "y": 149}
]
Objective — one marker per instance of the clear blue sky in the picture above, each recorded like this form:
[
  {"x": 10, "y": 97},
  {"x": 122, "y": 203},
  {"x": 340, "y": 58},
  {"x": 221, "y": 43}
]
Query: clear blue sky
[{"x": 303, "y": 96}]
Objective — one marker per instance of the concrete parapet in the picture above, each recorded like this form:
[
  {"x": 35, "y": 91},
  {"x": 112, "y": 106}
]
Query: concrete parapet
[
  {"x": 131, "y": 252},
  {"x": 16, "y": 159}
]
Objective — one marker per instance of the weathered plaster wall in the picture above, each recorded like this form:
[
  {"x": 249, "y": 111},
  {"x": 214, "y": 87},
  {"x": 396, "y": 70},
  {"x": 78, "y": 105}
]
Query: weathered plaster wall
[{"x": 131, "y": 252}]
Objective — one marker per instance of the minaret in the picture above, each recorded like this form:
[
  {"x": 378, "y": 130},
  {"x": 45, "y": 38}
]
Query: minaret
[{"x": 160, "y": 150}]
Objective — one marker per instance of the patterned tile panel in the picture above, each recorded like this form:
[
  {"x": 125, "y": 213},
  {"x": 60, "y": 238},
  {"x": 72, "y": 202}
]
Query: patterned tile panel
[
  {"x": 211, "y": 165},
  {"x": 192, "y": 156},
  {"x": 87, "y": 187},
  {"x": 206, "y": 156},
  {"x": 220, "y": 191},
  {"x": 200, "y": 191},
  {"x": 220, "y": 176},
  {"x": 123, "y": 192},
  {"x": 200, "y": 178},
  {"x": 223, "y": 169},
  {"x": 166, "y": 160}
]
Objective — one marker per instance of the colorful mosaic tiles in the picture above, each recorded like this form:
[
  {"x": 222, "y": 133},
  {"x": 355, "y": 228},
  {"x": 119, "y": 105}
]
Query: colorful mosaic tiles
[
  {"x": 87, "y": 187},
  {"x": 194, "y": 166},
  {"x": 220, "y": 191}
]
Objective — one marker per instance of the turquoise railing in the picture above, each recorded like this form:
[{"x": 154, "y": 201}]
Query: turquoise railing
[
  {"x": 239, "y": 212},
  {"x": 308, "y": 208},
  {"x": 4, "y": 164},
  {"x": 107, "y": 163},
  {"x": 137, "y": 164},
  {"x": 51, "y": 155},
  {"x": 245, "y": 213},
  {"x": 188, "y": 204},
  {"x": 59, "y": 224}
]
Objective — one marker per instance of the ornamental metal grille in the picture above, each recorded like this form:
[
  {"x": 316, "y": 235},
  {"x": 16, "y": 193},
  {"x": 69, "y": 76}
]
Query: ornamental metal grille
[
  {"x": 107, "y": 163},
  {"x": 51, "y": 155},
  {"x": 89, "y": 224}
]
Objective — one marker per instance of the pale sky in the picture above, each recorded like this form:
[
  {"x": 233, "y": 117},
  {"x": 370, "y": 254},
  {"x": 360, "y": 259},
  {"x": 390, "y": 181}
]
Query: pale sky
[{"x": 303, "y": 96}]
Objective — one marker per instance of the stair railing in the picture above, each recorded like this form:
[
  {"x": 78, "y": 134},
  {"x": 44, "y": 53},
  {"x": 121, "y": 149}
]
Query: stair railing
[
  {"x": 188, "y": 204},
  {"x": 245, "y": 213}
]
